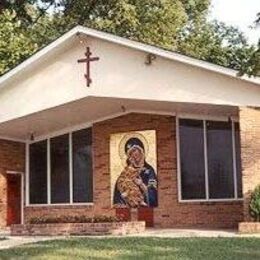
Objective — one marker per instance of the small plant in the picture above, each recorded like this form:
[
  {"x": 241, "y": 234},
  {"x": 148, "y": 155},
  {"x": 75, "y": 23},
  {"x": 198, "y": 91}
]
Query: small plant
[
  {"x": 254, "y": 206},
  {"x": 73, "y": 219}
]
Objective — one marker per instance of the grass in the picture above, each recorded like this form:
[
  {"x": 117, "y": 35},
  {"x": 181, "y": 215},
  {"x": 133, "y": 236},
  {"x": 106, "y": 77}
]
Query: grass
[{"x": 138, "y": 248}]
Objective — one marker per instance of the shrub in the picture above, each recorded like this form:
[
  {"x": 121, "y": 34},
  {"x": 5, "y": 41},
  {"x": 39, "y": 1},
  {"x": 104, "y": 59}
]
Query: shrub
[
  {"x": 254, "y": 206},
  {"x": 73, "y": 219}
]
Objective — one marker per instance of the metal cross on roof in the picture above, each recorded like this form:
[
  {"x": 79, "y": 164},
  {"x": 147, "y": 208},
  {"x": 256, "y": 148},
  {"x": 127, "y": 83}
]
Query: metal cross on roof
[{"x": 87, "y": 60}]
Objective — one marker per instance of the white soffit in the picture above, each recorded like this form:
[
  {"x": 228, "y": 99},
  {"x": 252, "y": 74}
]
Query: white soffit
[
  {"x": 124, "y": 42},
  {"x": 73, "y": 115}
]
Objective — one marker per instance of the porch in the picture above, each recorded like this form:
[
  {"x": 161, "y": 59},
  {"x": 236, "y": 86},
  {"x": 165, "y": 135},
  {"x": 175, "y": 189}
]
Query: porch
[{"x": 178, "y": 205}]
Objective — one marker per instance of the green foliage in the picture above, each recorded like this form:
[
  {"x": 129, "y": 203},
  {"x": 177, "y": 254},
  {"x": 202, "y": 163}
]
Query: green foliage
[
  {"x": 177, "y": 25},
  {"x": 18, "y": 41},
  {"x": 254, "y": 206},
  {"x": 220, "y": 44},
  {"x": 251, "y": 65},
  {"x": 155, "y": 22},
  {"x": 22, "y": 8},
  {"x": 15, "y": 45},
  {"x": 196, "y": 9},
  {"x": 74, "y": 219}
]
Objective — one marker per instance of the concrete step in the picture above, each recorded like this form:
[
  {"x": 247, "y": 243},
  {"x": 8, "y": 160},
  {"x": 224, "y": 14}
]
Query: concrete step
[{"x": 5, "y": 232}]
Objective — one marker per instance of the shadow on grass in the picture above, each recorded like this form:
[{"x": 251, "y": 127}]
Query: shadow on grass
[{"x": 139, "y": 248}]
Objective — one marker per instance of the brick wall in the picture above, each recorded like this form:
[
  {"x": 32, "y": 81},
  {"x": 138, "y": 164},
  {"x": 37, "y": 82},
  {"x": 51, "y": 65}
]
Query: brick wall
[
  {"x": 170, "y": 213},
  {"x": 250, "y": 151},
  {"x": 12, "y": 158},
  {"x": 64, "y": 229}
]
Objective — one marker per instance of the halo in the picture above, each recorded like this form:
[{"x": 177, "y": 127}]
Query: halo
[{"x": 123, "y": 141}]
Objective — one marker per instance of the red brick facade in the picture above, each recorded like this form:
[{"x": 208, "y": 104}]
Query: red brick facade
[
  {"x": 250, "y": 150},
  {"x": 12, "y": 158},
  {"x": 170, "y": 212}
]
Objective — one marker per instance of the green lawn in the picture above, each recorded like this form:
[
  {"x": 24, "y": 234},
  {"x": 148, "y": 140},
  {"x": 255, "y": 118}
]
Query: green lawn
[{"x": 139, "y": 248}]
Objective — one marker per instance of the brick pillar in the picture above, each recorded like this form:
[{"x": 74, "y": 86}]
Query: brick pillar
[{"x": 250, "y": 153}]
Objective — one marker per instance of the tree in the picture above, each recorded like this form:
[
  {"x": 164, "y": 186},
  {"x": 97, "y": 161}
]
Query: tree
[
  {"x": 18, "y": 42},
  {"x": 177, "y": 25},
  {"x": 217, "y": 43},
  {"x": 21, "y": 8},
  {"x": 196, "y": 9},
  {"x": 155, "y": 22},
  {"x": 15, "y": 45},
  {"x": 251, "y": 66}
]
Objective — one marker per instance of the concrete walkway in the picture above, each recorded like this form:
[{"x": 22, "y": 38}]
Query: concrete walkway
[
  {"x": 13, "y": 241},
  {"x": 179, "y": 233},
  {"x": 18, "y": 241}
]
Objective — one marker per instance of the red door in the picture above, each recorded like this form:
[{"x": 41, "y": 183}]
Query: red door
[
  {"x": 146, "y": 214},
  {"x": 13, "y": 199}
]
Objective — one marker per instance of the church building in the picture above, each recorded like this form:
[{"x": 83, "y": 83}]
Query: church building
[{"x": 98, "y": 125}]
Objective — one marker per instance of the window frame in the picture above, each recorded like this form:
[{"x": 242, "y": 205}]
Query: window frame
[
  {"x": 89, "y": 129},
  {"x": 29, "y": 170},
  {"x": 207, "y": 198},
  {"x": 48, "y": 138}
]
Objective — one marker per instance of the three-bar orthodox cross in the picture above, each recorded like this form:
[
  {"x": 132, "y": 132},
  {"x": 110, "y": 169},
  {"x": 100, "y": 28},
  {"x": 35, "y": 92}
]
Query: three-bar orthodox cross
[{"x": 87, "y": 60}]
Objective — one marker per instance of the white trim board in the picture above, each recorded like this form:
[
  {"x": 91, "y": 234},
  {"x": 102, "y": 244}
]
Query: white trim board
[
  {"x": 90, "y": 123},
  {"x": 124, "y": 42},
  {"x": 6, "y": 138}
]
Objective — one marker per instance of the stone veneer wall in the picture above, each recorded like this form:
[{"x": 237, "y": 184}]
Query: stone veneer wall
[
  {"x": 170, "y": 212},
  {"x": 12, "y": 158},
  {"x": 250, "y": 152}
]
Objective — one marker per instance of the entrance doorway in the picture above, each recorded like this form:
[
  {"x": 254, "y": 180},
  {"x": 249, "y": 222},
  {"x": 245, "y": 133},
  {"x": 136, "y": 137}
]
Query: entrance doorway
[{"x": 14, "y": 198}]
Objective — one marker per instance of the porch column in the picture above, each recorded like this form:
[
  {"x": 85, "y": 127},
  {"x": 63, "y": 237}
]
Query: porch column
[{"x": 250, "y": 153}]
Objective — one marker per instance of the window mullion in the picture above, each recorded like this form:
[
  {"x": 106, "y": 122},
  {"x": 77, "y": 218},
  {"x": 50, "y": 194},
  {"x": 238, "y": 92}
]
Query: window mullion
[
  {"x": 234, "y": 160},
  {"x": 206, "y": 159},
  {"x": 178, "y": 159},
  {"x": 71, "y": 167},
  {"x": 27, "y": 177},
  {"x": 48, "y": 172}
]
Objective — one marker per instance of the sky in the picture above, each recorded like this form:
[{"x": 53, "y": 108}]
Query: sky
[{"x": 240, "y": 13}]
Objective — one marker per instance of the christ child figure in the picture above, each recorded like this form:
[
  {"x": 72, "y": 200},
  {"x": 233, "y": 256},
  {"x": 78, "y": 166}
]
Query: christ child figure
[{"x": 136, "y": 185}]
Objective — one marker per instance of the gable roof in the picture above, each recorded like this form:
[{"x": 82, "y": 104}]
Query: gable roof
[{"x": 124, "y": 42}]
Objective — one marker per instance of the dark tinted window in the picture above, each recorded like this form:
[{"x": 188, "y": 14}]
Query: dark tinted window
[
  {"x": 82, "y": 166},
  {"x": 220, "y": 160},
  {"x": 238, "y": 160},
  {"x": 38, "y": 173},
  {"x": 59, "y": 147},
  {"x": 192, "y": 159}
]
